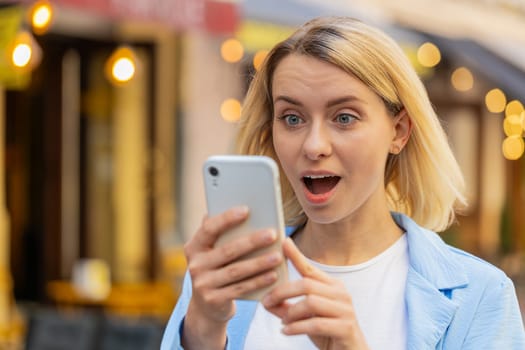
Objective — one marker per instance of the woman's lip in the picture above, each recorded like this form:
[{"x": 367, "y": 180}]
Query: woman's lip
[
  {"x": 317, "y": 173},
  {"x": 320, "y": 198}
]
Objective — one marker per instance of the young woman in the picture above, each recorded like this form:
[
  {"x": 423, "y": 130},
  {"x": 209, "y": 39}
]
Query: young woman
[{"x": 367, "y": 176}]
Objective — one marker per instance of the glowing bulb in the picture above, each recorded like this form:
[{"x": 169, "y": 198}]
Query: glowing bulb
[
  {"x": 495, "y": 101},
  {"x": 24, "y": 52},
  {"x": 41, "y": 16},
  {"x": 121, "y": 66},
  {"x": 232, "y": 50},
  {"x": 231, "y": 110},
  {"x": 428, "y": 55},
  {"x": 22, "y": 55},
  {"x": 123, "y": 69}
]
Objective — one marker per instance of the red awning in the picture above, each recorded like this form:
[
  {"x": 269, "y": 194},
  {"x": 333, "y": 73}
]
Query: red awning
[{"x": 215, "y": 16}]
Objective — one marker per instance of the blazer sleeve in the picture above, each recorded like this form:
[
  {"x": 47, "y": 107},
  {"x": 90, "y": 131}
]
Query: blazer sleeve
[
  {"x": 171, "y": 339},
  {"x": 497, "y": 323}
]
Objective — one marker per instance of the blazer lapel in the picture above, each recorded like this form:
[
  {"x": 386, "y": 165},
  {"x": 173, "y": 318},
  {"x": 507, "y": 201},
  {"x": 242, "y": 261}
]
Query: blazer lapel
[
  {"x": 433, "y": 274},
  {"x": 429, "y": 312}
]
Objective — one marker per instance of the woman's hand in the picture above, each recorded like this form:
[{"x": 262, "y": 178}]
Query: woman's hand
[
  {"x": 325, "y": 312},
  {"x": 218, "y": 277}
]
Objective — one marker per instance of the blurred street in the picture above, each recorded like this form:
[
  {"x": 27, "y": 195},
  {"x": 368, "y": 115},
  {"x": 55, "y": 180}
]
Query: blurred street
[{"x": 109, "y": 108}]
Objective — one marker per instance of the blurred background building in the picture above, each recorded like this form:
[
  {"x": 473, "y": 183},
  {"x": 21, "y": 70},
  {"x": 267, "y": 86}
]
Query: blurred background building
[{"x": 108, "y": 109}]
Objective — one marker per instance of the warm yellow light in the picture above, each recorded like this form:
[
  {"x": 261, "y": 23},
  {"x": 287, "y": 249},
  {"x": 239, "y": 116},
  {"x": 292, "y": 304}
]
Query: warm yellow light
[
  {"x": 123, "y": 69},
  {"x": 462, "y": 79},
  {"x": 258, "y": 59},
  {"x": 522, "y": 117},
  {"x": 514, "y": 107},
  {"x": 121, "y": 66},
  {"x": 428, "y": 55},
  {"x": 21, "y": 55},
  {"x": 512, "y": 125},
  {"x": 41, "y": 16},
  {"x": 231, "y": 110},
  {"x": 24, "y": 52},
  {"x": 232, "y": 50},
  {"x": 495, "y": 100},
  {"x": 513, "y": 147}
]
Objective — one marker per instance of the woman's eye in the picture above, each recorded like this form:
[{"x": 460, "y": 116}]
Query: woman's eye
[
  {"x": 292, "y": 119},
  {"x": 345, "y": 118}
]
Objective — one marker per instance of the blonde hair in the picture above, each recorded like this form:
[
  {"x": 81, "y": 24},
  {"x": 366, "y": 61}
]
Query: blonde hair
[{"x": 424, "y": 181}]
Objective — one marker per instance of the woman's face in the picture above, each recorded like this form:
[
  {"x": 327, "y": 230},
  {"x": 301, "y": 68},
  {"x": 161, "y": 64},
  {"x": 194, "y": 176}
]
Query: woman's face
[{"x": 332, "y": 135}]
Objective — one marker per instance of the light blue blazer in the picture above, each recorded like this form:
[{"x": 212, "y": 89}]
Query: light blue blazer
[{"x": 454, "y": 300}]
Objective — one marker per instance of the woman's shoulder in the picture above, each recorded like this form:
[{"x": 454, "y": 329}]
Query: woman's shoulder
[
  {"x": 478, "y": 269},
  {"x": 430, "y": 253}
]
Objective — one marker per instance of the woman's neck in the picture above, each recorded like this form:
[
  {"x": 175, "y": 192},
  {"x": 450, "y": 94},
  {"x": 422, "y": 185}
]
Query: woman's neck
[{"x": 350, "y": 242}]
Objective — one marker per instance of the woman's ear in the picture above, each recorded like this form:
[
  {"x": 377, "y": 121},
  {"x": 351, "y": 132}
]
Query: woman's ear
[{"x": 402, "y": 129}]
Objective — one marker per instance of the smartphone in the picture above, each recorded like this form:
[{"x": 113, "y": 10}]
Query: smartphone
[{"x": 233, "y": 180}]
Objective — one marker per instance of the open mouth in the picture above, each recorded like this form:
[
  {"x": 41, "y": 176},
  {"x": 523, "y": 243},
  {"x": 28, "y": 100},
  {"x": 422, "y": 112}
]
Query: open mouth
[{"x": 320, "y": 184}]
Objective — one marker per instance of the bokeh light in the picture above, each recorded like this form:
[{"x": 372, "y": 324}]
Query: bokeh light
[
  {"x": 232, "y": 50},
  {"x": 495, "y": 101},
  {"x": 258, "y": 58},
  {"x": 231, "y": 110},
  {"x": 513, "y": 147},
  {"x": 514, "y": 107},
  {"x": 121, "y": 66},
  {"x": 24, "y": 52},
  {"x": 428, "y": 55},
  {"x": 512, "y": 125},
  {"x": 462, "y": 79},
  {"x": 21, "y": 55},
  {"x": 123, "y": 69},
  {"x": 41, "y": 16}
]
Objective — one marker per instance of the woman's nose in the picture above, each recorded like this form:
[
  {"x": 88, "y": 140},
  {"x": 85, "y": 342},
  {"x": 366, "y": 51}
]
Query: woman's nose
[{"x": 317, "y": 143}]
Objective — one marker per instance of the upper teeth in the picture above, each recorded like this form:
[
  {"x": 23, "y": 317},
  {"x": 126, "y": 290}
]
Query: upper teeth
[{"x": 317, "y": 176}]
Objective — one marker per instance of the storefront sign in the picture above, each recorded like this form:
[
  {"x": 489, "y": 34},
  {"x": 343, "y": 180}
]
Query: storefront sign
[{"x": 220, "y": 17}]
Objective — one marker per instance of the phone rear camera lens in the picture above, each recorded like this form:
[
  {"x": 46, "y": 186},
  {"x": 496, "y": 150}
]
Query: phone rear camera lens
[{"x": 213, "y": 171}]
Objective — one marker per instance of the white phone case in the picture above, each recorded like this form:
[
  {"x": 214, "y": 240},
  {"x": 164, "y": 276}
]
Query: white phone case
[{"x": 247, "y": 180}]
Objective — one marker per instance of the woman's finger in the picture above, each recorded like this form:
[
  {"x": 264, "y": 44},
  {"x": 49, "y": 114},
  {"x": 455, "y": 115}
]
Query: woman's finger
[
  {"x": 237, "y": 290},
  {"x": 212, "y": 227},
  {"x": 233, "y": 250},
  {"x": 300, "y": 288},
  {"x": 243, "y": 269},
  {"x": 315, "y": 306},
  {"x": 320, "y": 326},
  {"x": 301, "y": 263}
]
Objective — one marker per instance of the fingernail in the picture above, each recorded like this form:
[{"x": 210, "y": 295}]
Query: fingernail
[
  {"x": 271, "y": 277},
  {"x": 240, "y": 211},
  {"x": 266, "y": 300},
  {"x": 273, "y": 258},
  {"x": 269, "y": 236}
]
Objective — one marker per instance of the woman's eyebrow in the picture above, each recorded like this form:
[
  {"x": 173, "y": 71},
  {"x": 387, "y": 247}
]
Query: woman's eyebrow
[
  {"x": 331, "y": 103},
  {"x": 344, "y": 99},
  {"x": 287, "y": 99}
]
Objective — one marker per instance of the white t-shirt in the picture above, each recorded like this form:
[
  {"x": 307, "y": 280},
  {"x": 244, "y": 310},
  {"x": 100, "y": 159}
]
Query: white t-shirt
[{"x": 377, "y": 287}]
